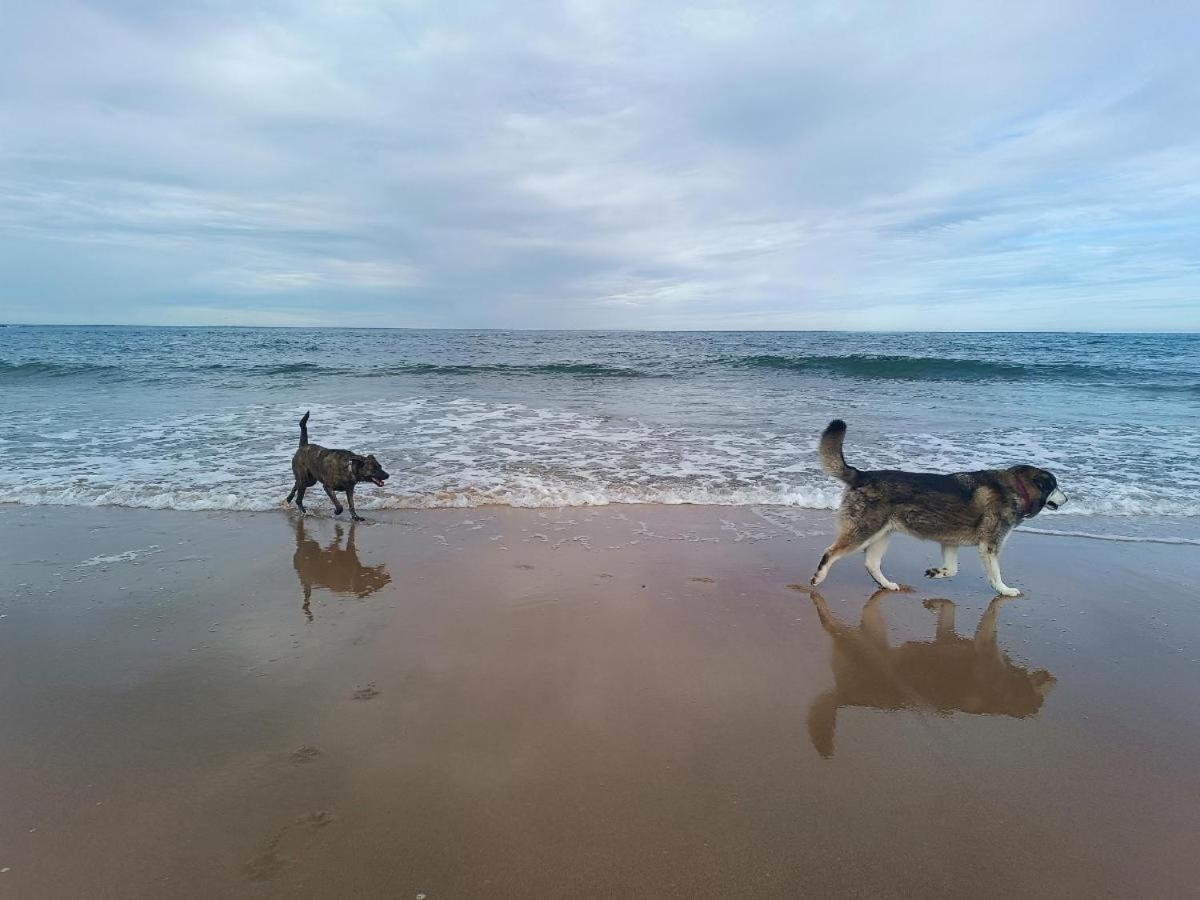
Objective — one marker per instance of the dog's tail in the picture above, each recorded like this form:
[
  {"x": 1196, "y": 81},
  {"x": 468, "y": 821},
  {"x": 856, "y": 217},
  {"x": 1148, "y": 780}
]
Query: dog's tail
[
  {"x": 831, "y": 453},
  {"x": 304, "y": 431}
]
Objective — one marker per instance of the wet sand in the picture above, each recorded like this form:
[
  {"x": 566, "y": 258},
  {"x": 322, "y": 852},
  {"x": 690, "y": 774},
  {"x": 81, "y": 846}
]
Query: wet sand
[{"x": 586, "y": 702}]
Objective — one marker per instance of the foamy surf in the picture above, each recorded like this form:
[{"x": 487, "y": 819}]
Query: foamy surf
[
  {"x": 125, "y": 556},
  {"x": 1119, "y": 538}
]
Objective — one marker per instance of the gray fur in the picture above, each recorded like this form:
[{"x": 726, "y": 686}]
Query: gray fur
[
  {"x": 964, "y": 509},
  {"x": 337, "y": 470}
]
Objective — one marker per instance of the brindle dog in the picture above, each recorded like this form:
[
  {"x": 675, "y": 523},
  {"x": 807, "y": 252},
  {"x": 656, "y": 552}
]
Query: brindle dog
[
  {"x": 337, "y": 470},
  {"x": 963, "y": 509}
]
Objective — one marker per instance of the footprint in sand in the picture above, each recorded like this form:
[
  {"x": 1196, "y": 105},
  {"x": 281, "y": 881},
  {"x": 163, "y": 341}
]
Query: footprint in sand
[
  {"x": 367, "y": 693},
  {"x": 264, "y": 867},
  {"x": 269, "y": 863},
  {"x": 525, "y": 566},
  {"x": 703, "y": 579},
  {"x": 305, "y": 754}
]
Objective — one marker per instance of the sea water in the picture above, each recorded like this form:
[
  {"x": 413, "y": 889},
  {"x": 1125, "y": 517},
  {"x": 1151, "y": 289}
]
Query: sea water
[{"x": 206, "y": 418}]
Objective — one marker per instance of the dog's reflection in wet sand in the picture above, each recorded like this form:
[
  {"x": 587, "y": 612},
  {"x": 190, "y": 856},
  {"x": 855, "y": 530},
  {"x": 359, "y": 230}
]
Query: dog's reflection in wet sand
[
  {"x": 335, "y": 568},
  {"x": 945, "y": 675}
]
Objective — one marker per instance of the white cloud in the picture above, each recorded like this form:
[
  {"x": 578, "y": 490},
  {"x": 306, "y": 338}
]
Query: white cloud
[{"x": 602, "y": 164}]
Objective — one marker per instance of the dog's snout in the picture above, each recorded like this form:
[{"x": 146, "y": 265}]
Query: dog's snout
[{"x": 1056, "y": 499}]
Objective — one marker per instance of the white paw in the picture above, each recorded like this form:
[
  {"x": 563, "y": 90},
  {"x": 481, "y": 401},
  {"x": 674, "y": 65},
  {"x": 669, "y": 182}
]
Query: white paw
[
  {"x": 889, "y": 585},
  {"x": 1009, "y": 592},
  {"x": 817, "y": 579}
]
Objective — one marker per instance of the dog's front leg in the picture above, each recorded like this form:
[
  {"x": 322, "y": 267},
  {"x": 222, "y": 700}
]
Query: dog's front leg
[
  {"x": 337, "y": 507},
  {"x": 985, "y": 634},
  {"x": 350, "y": 500},
  {"x": 989, "y": 555}
]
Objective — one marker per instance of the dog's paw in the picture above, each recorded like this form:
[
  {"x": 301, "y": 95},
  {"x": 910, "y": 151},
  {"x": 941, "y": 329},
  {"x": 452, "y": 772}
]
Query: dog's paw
[
  {"x": 1009, "y": 592},
  {"x": 891, "y": 586},
  {"x": 358, "y": 518},
  {"x": 936, "y": 573},
  {"x": 337, "y": 510}
]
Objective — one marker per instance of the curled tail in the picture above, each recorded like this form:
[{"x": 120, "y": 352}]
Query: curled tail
[
  {"x": 831, "y": 453},
  {"x": 304, "y": 431}
]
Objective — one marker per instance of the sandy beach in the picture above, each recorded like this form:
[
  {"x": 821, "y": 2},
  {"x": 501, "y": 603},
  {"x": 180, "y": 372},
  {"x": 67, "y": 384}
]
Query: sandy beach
[{"x": 623, "y": 700}]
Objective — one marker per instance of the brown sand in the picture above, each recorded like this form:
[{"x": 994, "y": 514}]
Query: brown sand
[{"x": 587, "y": 702}]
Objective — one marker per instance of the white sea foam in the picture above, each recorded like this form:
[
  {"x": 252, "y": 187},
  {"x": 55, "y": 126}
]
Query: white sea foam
[
  {"x": 466, "y": 452},
  {"x": 126, "y": 556},
  {"x": 1120, "y": 538}
]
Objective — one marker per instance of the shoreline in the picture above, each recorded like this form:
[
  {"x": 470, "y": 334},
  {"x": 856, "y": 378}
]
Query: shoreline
[
  {"x": 1188, "y": 524},
  {"x": 591, "y": 700}
]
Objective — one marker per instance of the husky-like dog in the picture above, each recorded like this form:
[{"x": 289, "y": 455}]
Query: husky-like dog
[{"x": 967, "y": 508}]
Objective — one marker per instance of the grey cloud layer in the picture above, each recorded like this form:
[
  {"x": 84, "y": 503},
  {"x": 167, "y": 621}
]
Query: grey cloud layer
[{"x": 596, "y": 164}]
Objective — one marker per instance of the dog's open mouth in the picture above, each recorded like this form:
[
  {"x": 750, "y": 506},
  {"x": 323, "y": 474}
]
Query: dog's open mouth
[
  {"x": 1051, "y": 505},
  {"x": 378, "y": 482}
]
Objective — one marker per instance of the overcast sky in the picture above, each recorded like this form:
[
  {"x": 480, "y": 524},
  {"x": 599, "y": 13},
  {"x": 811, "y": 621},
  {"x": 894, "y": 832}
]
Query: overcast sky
[{"x": 954, "y": 165}]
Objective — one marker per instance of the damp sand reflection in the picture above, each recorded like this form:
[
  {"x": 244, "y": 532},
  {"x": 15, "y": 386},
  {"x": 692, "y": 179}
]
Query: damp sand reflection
[
  {"x": 335, "y": 567},
  {"x": 948, "y": 674}
]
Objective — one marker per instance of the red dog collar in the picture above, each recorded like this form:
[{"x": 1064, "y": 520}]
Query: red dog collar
[{"x": 1024, "y": 495}]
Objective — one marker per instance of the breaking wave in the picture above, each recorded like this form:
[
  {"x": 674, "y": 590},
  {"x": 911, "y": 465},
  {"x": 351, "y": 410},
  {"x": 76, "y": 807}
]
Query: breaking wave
[
  {"x": 465, "y": 452},
  {"x": 933, "y": 368},
  {"x": 863, "y": 367},
  {"x": 33, "y": 370}
]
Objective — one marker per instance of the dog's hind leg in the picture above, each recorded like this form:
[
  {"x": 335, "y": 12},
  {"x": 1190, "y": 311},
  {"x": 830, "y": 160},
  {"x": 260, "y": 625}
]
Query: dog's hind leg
[
  {"x": 831, "y": 625},
  {"x": 299, "y": 490},
  {"x": 822, "y": 722},
  {"x": 949, "y": 567},
  {"x": 292, "y": 493},
  {"x": 337, "y": 507},
  {"x": 876, "y": 547},
  {"x": 307, "y": 597},
  {"x": 852, "y": 537},
  {"x": 985, "y": 634}
]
